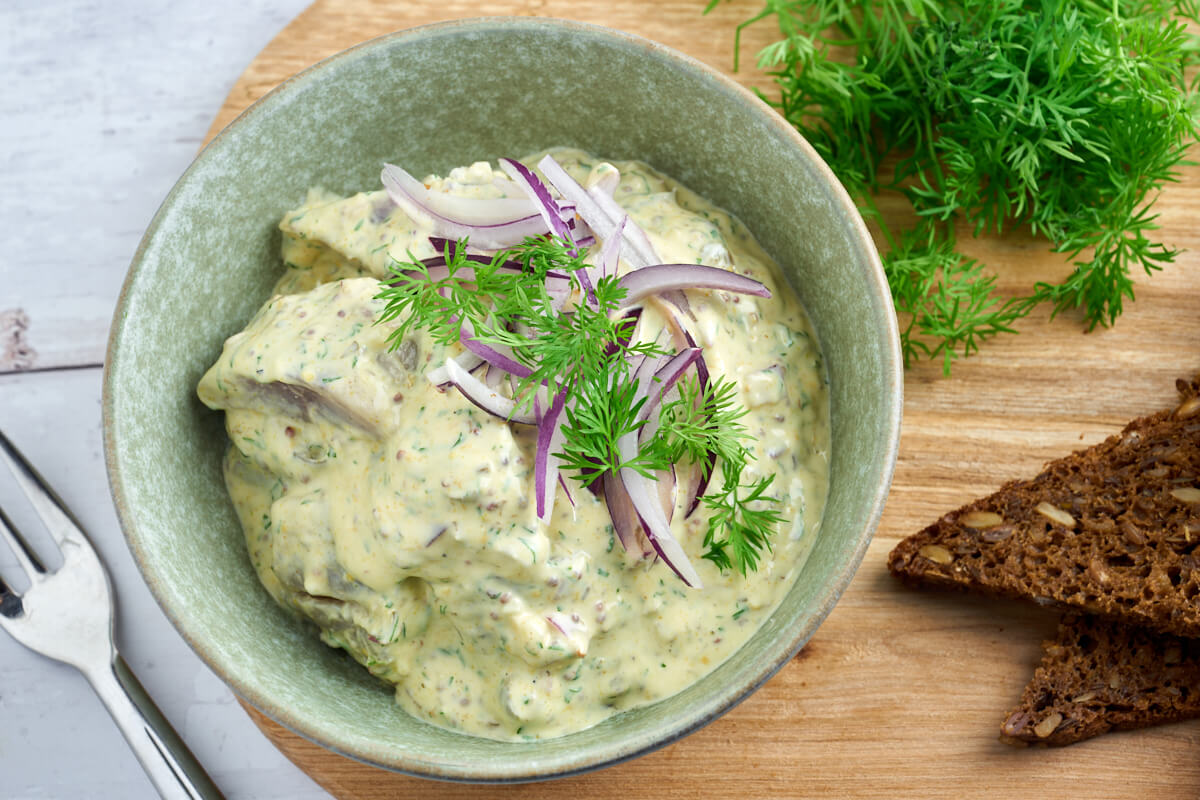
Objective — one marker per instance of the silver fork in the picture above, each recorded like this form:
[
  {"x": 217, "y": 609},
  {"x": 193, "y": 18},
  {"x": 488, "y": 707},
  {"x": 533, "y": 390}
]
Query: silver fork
[{"x": 67, "y": 615}]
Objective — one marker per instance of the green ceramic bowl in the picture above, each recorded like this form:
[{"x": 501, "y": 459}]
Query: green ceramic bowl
[{"x": 432, "y": 98}]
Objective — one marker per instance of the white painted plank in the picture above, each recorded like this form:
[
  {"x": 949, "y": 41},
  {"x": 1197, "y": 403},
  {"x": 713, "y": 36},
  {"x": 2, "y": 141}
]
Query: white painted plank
[{"x": 102, "y": 107}]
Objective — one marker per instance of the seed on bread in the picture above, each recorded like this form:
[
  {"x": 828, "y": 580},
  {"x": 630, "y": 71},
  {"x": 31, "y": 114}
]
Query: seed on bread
[
  {"x": 1111, "y": 529},
  {"x": 1188, "y": 494},
  {"x": 937, "y": 554},
  {"x": 1048, "y": 725},
  {"x": 1188, "y": 409},
  {"x": 1096, "y": 676},
  {"x": 1055, "y": 514},
  {"x": 981, "y": 520}
]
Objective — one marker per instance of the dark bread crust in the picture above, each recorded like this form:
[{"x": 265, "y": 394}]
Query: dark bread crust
[
  {"x": 1125, "y": 544},
  {"x": 1097, "y": 676}
]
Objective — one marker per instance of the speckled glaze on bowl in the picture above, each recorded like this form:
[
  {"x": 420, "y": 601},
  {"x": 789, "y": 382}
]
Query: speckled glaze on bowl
[{"x": 431, "y": 98}]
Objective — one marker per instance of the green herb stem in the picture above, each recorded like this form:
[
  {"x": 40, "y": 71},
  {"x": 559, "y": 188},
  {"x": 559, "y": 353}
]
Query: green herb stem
[{"x": 1065, "y": 117}]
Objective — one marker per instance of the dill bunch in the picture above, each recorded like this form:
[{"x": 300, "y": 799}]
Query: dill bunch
[{"x": 1065, "y": 117}]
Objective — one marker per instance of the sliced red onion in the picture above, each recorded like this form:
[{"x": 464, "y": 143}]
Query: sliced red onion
[
  {"x": 443, "y": 245},
  {"x": 562, "y": 481},
  {"x": 665, "y": 377},
  {"x": 644, "y": 497},
  {"x": 662, "y": 385},
  {"x": 466, "y": 210},
  {"x": 565, "y": 624},
  {"x": 646, "y": 369},
  {"x": 537, "y": 191},
  {"x": 438, "y": 268},
  {"x": 704, "y": 473},
  {"x": 574, "y": 193},
  {"x": 439, "y": 261},
  {"x": 600, "y": 211},
  {"x": 440, "y": 377},
  {"x": 440, "y": 272},
  {"x": 666, "y": 277},
  {"x": 551, "y": 212},
  {"x": 665, "y": 478},
  {"x": 624, "y": 518},
  {"x": 469, "y": 218},
  {"x": 610, "y": 251},
  {"x": 608, "y": 182},
  {"x": 494, "y": 354},
  {"x": 679, "y": 335},
  {"x": 630, "y": 313},
  {"x": 701, "y": 366},
  {"x": 488, "y": 399},
  {"x": 602, "y": 223},
  {"x": 633, "y": 234},
  {"x": 571, "y": 627},
  {"x": 436, "y": 535},
  {"x": 545, "y": 466}
]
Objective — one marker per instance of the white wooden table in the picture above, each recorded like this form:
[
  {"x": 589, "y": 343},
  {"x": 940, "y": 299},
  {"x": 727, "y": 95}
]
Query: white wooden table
[{"x": 102, "y": 106}]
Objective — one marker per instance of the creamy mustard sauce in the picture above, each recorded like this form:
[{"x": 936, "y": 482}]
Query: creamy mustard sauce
[{"x": 399, "y": 518}]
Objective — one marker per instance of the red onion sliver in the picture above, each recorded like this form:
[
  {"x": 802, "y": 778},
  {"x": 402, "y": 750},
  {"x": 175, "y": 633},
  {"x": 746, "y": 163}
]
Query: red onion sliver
[
  {"x": 545, "y": 468},
  {"x": 621, "y": 511},
  {"x": 562, "y": 481},
  {"x": 665, "y": 478},
  {"x": 439, "y": 377},
  {"x": 666, "y": 277},
  {"x": 412, "y": 196},
  {"x": 666, "y": 377},
  {"x": 588, "y": 206},
  {"x": 489, "y": 400},
  {"x": 610, "y": 251},
  {"x": 630, "y": 313},
  {"x": 574, "y": 193},
  {"x": 552, "y": 213},
  {"x": 439, "y": 272},
  {"x": 633, "y": 234},
  {"x": 608, "y": 182},
  {"x": 705, "y": 472},
  {"x": 494, "y": 354},
  {"x": 645, "y": 498},
  {"x": 538, "y": 192},
  {"x": 645, "y": 501},
  {"x": 465, "y": 210}
]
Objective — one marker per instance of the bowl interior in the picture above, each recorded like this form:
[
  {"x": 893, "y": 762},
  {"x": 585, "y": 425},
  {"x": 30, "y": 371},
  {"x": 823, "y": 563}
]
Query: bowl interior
[{"x": 430, "y": 99}]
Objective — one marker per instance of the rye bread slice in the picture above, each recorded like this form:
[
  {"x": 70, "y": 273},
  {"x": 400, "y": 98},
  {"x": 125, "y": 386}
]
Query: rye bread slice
[
  {"x": 1112, "y": 530},
  {"x": 1097, "y": 676}
]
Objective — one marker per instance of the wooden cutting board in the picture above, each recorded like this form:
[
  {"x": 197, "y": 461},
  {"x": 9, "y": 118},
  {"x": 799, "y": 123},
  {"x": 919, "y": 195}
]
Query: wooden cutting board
[{"x": 900, "y": 694}]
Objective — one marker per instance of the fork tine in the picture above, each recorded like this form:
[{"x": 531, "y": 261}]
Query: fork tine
[
  {"x": 10, "y": 601},
  {"x": 54, "y": 514},
  {"x": 24, "y": 553}
]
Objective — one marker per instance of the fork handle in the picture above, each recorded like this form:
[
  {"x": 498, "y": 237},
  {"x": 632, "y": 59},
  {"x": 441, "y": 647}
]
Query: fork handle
[{"x": 172, "y": 768}]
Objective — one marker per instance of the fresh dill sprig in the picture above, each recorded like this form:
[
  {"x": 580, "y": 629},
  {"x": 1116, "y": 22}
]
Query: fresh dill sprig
[
  {"x": 588, "y": 352},
  {"x": 741, "y": 514},
  {"x": 604, "y": 408},
  {"x": 702, "y": 421},
  {"x": 1065, "y": 117}
]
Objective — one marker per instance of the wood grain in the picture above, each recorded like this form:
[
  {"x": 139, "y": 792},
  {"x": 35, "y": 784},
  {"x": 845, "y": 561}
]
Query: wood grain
[{"x": 900, "y": 694}]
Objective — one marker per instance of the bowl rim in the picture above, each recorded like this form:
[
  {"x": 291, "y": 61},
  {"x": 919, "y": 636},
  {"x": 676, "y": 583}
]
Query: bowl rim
[{"x": 609, "y": 754}]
